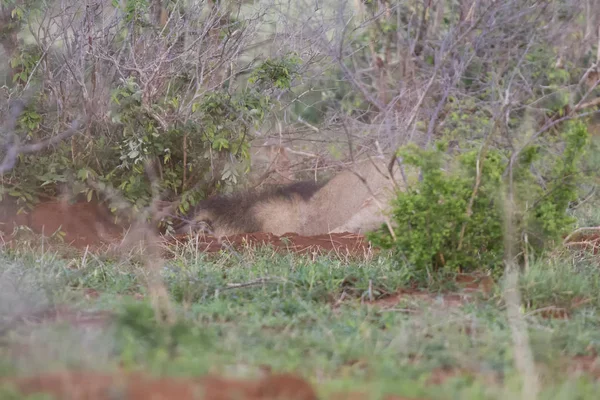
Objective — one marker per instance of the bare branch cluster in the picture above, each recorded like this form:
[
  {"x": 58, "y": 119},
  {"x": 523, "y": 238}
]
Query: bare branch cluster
[{"x": 373, "y": 75}]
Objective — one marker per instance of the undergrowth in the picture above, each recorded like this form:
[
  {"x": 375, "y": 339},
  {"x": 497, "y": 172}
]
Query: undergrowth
[{"x": 312, "y": 317}]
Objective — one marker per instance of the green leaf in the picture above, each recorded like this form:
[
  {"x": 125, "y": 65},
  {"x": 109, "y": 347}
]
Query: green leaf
[{"x": 220, "y": 144}]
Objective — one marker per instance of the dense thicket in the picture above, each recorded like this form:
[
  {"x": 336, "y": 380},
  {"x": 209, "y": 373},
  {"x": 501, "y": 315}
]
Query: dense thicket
[{"x": 172, "y": 95}]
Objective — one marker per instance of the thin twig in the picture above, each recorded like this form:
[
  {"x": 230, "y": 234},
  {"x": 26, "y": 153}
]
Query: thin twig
[
  {"x": 254, "y": 282},
  {"x": 580, "y": 230},
  {"x": 14, "y": 149}
]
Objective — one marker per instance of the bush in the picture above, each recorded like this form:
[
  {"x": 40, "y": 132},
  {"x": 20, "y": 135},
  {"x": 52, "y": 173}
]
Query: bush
[
  {"x": 446, "y": 221},
  {"x": 167, "y": 86},
  {"x": 429, "y": 216},
  {"x": 214, "y": 141}
]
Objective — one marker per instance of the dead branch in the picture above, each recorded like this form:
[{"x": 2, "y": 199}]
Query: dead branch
[{"x": 579, "y": 231}]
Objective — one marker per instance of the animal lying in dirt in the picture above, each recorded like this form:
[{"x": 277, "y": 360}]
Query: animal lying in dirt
[{"x": 354, "y": 201}]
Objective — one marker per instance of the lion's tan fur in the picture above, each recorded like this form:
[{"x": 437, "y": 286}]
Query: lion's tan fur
[
  {"x": 280, "y": 217},
  {"x": 346, "y": 203}
]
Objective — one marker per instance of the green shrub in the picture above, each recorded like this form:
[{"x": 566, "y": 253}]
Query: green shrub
[
  {"x": 447, "y": 221},
  {"x": 429, "y": 216}
]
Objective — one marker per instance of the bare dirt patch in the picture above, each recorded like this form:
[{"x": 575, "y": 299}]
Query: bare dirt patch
[
  {"x": 83, "y": 223},
  {"x": 97, "y": 386},
  {"x": 91, "y": 225},
  {"x": 92, "y": 386}
]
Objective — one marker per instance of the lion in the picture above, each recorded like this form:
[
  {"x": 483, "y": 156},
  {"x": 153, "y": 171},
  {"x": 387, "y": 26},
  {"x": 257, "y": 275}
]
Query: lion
[
  {"x": 354, "y": 200},
  {"x": 277, "y": 209}
]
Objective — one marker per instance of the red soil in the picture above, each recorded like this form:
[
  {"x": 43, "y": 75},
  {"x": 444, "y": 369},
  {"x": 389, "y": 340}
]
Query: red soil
[
  {"x": 97, "y": 386},
  {"x": 90, "y": 224},
  {"x": 84, "y": 224},
  {"x": 92, "y": 386}
]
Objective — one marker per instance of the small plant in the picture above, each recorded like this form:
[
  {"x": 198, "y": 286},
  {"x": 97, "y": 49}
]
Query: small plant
[
  {"x": 278, "y": 73},
  {"x": 24, "y": 63}
]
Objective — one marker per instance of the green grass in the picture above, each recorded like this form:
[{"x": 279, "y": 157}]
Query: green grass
[{"x": 307, "y": 316}]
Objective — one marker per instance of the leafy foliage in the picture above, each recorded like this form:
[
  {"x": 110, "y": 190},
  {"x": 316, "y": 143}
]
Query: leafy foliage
[
  {"x": 429, "y": 216},
  {"x": 278, "y": 73},
  {"x": 548, "y": 220},
  {"x": 437, "y": 226},
  {"x": 24, "y": 62},
  {"x": 189, "y": 126},
  {"x": 219, "y": 128}
]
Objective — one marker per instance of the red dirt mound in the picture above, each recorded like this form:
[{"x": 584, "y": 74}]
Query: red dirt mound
[
  {"x": 91, "y": 224},
  {"x": 90, "y": 386},
  {"x": 84, "y": 223},
  {"x": 340, "y": 243}
]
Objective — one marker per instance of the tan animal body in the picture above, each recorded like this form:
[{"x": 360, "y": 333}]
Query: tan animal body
[{"x": 354, "y": 200}]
